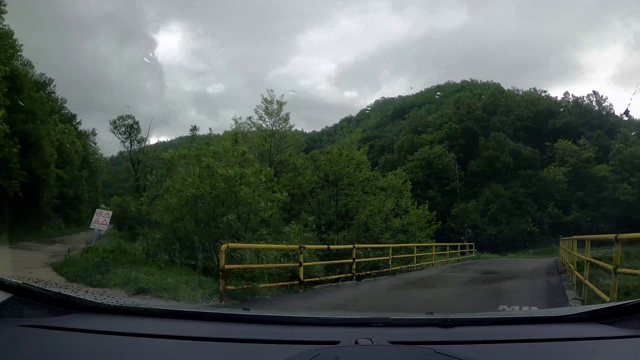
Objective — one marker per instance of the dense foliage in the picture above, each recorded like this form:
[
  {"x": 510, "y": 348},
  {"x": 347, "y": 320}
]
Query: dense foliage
[
  {"x": 255, "y": 184},
  {"x": 51, "y": 168},
  {"x": 505, "y": 168}
]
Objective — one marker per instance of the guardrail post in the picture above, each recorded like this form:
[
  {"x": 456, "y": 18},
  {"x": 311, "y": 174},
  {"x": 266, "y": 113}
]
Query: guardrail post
[
  {"x": 301, "y": 267},
  {"x": 223, "y": 286},
  {"x": 565, "y": 251},
  {"x": 458, "y": 253},
  {"x": 390, "y": 257},
  {"x": 560, "y": 251},
  {"x": 433, "y": 255},
  {"x": 446, "y": 262},
  {"x": 354, "y": 262},
  {"x": 617, "y": 250},
  {"x": 415, "y": 256},
  {"x": 574, "y": 262},
  {"x": 587, "y": 265}
]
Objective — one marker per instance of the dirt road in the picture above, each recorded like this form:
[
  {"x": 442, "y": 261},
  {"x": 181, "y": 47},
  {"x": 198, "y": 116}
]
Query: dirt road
[
  {"x": 33, "y": 260},
  {"x": 31, "y": 263}
]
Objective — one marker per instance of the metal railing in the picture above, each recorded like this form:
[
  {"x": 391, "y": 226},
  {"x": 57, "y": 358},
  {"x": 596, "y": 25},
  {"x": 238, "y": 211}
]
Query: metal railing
[
  {"x": 579, "y": 247},
  {"x": 435, "y": 253}
]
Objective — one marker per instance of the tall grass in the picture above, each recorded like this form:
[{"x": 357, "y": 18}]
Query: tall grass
[
  {"x": 114, "y": 263},
  {"x": 628, "y": 285}
]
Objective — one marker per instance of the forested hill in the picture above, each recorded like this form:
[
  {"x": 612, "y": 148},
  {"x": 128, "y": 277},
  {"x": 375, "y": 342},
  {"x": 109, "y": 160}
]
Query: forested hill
[
  {"x": 511, "y": 166},
  {"x": 506, "y": 168}
]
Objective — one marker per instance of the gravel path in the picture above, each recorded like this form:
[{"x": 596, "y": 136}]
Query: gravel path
[
  {"x": 30, "y": 262},
  {"x": 33, "y": 260}
]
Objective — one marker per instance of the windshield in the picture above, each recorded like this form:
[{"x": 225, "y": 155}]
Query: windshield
[{"x": 334, "y": 157}]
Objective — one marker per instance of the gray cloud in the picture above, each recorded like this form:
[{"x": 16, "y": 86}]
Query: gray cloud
[
  {"x": 513, "y": 43},
  {"x": 200, "y": 62}
]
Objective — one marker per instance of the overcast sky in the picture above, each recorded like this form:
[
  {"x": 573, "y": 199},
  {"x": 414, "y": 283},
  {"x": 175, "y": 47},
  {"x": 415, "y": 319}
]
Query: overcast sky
[{"x": 201, "y": 62}]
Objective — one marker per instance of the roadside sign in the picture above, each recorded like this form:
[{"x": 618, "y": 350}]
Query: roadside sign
[{"x": 101, "y": 219}]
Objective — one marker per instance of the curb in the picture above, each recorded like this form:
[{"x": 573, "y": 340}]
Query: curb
[{"x": 573, "y": 299}]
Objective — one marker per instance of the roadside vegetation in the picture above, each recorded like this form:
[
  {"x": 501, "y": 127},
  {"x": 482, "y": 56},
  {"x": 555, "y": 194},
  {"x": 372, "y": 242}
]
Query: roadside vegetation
[
  {"x": 50, "y": 165},
  {"x": 115, "y": 263},
  {"x": 628, "y": 285},
  {"x": 549, "y": 251}
]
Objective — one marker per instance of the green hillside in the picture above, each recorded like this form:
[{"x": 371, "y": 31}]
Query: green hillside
[{"x": 506, "y": 168}]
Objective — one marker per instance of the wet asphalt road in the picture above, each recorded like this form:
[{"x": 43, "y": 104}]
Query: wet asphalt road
[{"x": 472, "y": 286}]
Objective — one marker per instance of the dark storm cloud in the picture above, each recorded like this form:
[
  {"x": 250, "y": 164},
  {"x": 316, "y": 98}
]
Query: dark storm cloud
[{"x": 330, "y": 58}]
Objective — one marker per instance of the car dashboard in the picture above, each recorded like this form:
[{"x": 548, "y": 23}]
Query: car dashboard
[{"x": 31, "y": 328}]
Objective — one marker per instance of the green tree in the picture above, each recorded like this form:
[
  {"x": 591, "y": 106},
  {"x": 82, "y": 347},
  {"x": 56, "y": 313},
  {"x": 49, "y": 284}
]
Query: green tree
[
  {"x": 335, "y": 187},
  {"x": 126, "y": 128},
  {"x": 391, "y": 215},
  {"x": 271, "y": 133},
  {"x": 435, "y": 178},
  {"x": 51, "y": 166},
  {"x": 214, "y": 196}
]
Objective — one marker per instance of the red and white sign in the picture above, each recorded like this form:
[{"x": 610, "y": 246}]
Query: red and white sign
[{"x": 101, "y": 219}]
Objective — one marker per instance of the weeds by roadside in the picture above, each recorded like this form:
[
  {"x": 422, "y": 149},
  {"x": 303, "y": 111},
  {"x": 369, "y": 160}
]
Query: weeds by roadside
[
  {"x": 540, "y": 252},
  {"x": 115, "y": 263},
  {"x": 628, "y": 285}
]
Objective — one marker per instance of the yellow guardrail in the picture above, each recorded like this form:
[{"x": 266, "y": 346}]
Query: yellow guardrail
[
  {"x": 579, "y": 247},
  {"x": 416, "y": 251}
]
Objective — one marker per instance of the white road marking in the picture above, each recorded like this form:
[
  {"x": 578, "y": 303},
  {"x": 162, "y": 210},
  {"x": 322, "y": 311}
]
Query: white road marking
[{"x": 515, "y": 308}]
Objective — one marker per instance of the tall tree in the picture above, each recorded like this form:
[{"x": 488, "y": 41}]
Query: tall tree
[
  {"x": 435, "y": 178},
  {"x": 126, "y": 128},
  {"x": 271, "y": 132}
]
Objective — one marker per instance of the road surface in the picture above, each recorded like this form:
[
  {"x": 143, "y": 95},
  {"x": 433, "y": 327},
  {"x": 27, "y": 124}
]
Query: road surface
[
  {"x": 471, "y": 286},
  {"x": 33, "y": 259}
]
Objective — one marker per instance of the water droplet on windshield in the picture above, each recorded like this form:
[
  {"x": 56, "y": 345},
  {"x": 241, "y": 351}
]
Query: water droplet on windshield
[{"x": 147, "y": 60}]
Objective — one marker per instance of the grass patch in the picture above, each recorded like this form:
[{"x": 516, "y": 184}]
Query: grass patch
[
  {"x": 487, "y": 256},
  {"x": 628, "y": 285},
  {"x": 114, "y": 263},
  {"x": 539, "y": 252}
]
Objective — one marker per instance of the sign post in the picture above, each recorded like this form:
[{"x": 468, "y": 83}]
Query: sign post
[{"x": 100, "y": 223}]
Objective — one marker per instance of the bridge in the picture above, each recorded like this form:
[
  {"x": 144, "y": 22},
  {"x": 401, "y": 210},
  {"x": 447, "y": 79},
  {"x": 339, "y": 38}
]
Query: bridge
[{"x": 422, "y": 278}]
